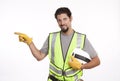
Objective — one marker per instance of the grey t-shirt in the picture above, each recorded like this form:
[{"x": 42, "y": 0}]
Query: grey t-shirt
[{"x": 65, "y": 40}]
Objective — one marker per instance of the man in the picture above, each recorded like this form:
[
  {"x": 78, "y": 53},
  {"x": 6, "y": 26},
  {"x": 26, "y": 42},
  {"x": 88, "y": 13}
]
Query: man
[{"x": 59, "y": 47}]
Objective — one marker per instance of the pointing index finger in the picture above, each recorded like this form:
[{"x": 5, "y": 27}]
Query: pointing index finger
[{"x": 17, "y": 33}]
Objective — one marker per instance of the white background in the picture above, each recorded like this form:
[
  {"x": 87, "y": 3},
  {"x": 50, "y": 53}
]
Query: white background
[{"x": 98, "y": 19}]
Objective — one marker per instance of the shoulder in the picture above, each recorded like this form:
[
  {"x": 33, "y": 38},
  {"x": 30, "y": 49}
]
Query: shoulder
[
  {"x": 80, "y": 33},
  {"x": 54, "y": 32}
]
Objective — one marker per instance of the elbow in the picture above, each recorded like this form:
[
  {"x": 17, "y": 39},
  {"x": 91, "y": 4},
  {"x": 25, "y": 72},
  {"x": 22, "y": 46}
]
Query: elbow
[
  {"x": 38, "y": 55},
  {"x": 38, "y": 59},
  {"x": 98, "y": 62}
]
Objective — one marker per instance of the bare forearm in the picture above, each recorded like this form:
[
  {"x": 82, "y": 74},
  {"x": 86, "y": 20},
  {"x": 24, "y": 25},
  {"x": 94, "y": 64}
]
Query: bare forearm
[
  {"x": 35, "y": 52},
  {"x": 93, "y": 63}
]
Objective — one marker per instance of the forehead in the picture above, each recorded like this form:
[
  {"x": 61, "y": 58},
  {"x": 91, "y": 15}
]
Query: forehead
[{"x": 63, "y": 15}]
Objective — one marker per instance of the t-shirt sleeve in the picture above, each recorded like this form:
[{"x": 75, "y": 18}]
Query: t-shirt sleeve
[
  {"x": 44, "y": 48},
  {"x": 89, "y": 48}
]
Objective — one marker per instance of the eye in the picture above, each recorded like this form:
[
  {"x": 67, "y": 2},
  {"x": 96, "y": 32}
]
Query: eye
[
  {"x": 65, "y": 19},
  {"x": 58, "y": 20}
]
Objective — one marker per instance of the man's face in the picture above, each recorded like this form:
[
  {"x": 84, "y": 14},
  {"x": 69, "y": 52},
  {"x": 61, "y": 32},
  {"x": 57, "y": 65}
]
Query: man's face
[{"x": 64, "y": 22}]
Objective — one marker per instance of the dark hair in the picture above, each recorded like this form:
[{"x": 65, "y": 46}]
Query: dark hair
[{"x": 62, "y": 10}]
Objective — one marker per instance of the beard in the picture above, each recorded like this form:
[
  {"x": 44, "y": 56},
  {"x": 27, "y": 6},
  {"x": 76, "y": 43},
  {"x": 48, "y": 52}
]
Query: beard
[{"x": 64, "y": 29}]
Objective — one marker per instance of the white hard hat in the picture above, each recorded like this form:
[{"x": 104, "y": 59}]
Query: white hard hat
[{"x": 81, "y": 55}]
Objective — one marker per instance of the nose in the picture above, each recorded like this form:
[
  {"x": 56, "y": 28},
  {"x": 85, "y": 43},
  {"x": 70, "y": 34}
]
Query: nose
[{"x": 62, "y": 22}]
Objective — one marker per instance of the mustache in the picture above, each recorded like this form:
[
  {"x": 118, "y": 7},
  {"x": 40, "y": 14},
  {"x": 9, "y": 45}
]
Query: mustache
[{"x": 63, "y": 25}]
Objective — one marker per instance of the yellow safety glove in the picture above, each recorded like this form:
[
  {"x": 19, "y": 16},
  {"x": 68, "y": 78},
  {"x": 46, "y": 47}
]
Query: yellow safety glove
[
  {"x": 74, "y": 63},
  {"x": 24, "y": 38}
]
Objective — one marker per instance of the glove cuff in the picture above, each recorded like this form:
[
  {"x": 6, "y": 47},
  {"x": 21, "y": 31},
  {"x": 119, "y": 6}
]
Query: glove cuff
[{"x": 29, "y": 41}]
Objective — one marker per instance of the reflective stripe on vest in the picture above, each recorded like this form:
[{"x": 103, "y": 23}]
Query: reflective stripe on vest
[
  {"x": 63, "y": 70},
  {"x": 52, "y": 45},
  {"x": 60, "y": 72}
]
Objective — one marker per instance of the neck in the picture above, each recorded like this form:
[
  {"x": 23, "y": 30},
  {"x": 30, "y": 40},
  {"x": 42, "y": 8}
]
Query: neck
[{"x": 70, "y": 31}]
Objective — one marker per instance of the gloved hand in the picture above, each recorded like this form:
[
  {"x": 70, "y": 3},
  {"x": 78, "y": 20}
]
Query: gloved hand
[
  {"x": 24, "y": 38},
  {"x": 74, "y": 63}
]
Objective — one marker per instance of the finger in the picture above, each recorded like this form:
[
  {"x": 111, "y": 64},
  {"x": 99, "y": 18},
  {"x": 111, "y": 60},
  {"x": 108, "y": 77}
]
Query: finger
[
  {"x": 21, "y": 39},
  {"x": 70, "y": 63},
  {"x": 72, "y": 58},
  {"x": 18, "y": 33}
]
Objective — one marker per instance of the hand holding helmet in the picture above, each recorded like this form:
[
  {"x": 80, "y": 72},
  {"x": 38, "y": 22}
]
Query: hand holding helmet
[{"x": 74, "y": 63}]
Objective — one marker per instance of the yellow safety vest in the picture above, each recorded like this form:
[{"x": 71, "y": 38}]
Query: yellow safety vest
[{"x": 59, "y": 66}]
